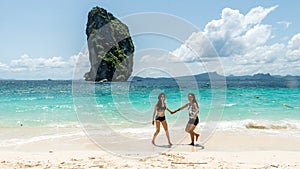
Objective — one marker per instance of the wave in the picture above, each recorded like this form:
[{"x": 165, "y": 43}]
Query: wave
[
  {"x": 237, "y": 125},
  {"x": 260, "y": 125},
  {"x": 221, "y": 125},
  {"x": 276, "y": 127},
  {"x": 228, "y": 104},
  {"x": 64, "y": 125},
  {"x": 129, "y": 127},
  {"x": 20, "y": 141},
  {"x": 248, "y": 126}
]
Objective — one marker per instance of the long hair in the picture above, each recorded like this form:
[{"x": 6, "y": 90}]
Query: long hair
[
  {"x": 159, "y": 102},
  {"x": 194, "y": 98}
]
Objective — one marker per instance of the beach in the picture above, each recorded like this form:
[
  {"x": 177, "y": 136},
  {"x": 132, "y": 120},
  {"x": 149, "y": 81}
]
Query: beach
[
  {"x": 223, "y": 150},
  {"x": 149, "y": 84},
  {"x": 46, "y": 124}
]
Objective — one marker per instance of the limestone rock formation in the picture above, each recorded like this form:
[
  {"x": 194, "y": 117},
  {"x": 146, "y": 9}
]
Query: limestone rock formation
[{"x": 110, "y": 47}]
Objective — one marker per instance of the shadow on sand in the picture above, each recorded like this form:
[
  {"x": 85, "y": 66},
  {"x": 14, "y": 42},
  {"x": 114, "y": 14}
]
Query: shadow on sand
[{"x": 170, "y": 146}]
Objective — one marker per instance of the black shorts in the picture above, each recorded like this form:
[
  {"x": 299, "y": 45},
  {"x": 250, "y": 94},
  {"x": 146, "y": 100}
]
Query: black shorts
[
  {"x": 195, "y": 122},
  {"x": 160, "y": 118}
]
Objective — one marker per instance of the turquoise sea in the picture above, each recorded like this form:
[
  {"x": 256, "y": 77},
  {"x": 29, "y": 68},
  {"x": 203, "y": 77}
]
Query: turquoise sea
[{"x": 128, "y": 106}]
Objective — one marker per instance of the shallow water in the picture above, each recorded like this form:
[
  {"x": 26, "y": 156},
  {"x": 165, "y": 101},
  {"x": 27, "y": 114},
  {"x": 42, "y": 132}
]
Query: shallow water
[{"x": 127, "y": 107}]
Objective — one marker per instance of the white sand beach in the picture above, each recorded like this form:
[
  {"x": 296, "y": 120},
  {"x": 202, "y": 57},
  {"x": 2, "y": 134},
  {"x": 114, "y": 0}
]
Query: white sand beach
[{"x": 223, "y": 150}]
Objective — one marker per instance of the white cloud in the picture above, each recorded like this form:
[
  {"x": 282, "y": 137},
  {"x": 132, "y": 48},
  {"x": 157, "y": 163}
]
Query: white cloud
[
  {"x": 242, "y": 42},
  {"x": 3, "y": 66},
  {"x": 256, "y": 15},
  {"x": 293, "y": 52},
  {"x": 81, "y": 63},
  {"x": 42, "y": 68},
  {"x": 30, "y": 63},
  {"x": 285, "y": 23},
  {"x": 196, "y": 48},
  {"x": 237, "y": 34},
  {"x": 233, "y": 34},
  {"x": 260, "y": 55}
]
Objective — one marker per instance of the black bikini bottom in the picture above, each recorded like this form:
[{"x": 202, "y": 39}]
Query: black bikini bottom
[{"x": 160, "y": 118}]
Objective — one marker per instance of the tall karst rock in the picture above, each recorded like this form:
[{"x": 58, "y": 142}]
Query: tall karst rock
[{"x": 110, "y": 47}]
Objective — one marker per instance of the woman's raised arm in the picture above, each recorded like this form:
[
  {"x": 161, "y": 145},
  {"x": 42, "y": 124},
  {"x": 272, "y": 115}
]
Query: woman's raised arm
[
  {"x": 172, "y": 112},
  {"x": 183, "y": 107}
]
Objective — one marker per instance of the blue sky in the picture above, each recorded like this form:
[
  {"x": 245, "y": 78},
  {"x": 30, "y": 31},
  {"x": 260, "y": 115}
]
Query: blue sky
[{"x": 42, "y": 30}]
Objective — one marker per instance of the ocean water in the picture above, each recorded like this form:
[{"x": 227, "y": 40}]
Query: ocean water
[{"x": 127, "y": 107}]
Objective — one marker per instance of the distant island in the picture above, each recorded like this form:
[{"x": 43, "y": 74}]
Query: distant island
[
  {"x": 256, "y": 80},
  {"x": 204, "y": 80},
  {"x": 6, "y": 79}
]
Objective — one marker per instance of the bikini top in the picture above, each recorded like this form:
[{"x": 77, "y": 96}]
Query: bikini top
[
  {"x": 192, "y": 111},
  {"x": 161, "y": 109}
]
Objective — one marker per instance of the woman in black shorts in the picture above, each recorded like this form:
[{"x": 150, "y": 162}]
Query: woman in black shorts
[
  {"x": 159, "y": 114},
  {"x": 193, "y": 109}
]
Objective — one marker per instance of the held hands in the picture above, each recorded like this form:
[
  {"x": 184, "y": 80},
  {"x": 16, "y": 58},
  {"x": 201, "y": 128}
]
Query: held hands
[{"x": 173, "y": 112}]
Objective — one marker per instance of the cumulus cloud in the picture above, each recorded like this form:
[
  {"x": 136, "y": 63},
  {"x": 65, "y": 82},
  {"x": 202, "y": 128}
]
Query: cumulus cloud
[
  {"x": 242, "y": 42},
  {"x": 195, "y": 48},
  {"x": 256, "y": 15},
  {"x": 260, "y": 55},
  {"x": 236, "y": 34},
  {"x": 40, "y": 68},
  {"x": 232, "y": 34},
  {"x": 26, "y": 62},
  {"x": 293, "y": 52}
]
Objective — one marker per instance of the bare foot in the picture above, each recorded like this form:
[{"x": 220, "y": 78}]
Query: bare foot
[
  {"x": 191, "y": 144},
  {"x": 170, "y": 143},
  {"x": 153, "y": 142},
  {"x": 197, "y": 136}
]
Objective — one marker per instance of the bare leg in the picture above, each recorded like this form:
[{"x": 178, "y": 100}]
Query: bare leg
[
  {"x": 197, "y": 136},
  {"x": 192, "y": 138},
  {"x": 165, "y": 125},
  {"x": 192, "y": 134},
  {"x": 188, "y": 127},
  {"x": 156, "y": 132}
]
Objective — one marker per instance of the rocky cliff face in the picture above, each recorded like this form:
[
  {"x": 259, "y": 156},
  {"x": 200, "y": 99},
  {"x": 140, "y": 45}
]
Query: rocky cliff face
[{"x": 110, "y": 47}]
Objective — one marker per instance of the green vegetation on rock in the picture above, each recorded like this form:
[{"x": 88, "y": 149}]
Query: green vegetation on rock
[{"x": 110, "y": 47}]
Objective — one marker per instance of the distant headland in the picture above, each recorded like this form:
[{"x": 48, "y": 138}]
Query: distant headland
[{"x": 256, "y": 80}]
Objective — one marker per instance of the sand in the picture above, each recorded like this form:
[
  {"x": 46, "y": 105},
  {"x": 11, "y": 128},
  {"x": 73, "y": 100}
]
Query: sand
[
  {"x": 223, "y": 150},
  {"x": 100, "y": 159}
]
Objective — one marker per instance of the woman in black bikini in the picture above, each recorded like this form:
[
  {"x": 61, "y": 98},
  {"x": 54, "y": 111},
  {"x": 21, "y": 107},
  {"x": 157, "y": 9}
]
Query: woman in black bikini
[
  {"x": 193, "y": 109},
  {"x": 159, "y": 114}
]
